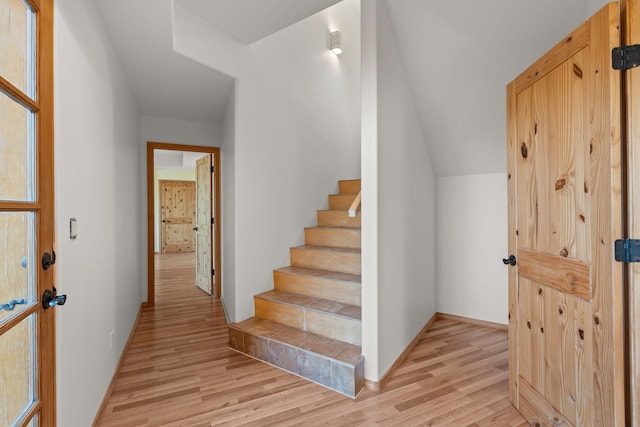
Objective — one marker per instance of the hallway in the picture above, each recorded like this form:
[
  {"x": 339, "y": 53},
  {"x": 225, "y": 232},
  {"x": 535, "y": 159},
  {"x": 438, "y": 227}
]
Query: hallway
[{"x": 178, "y": 371}]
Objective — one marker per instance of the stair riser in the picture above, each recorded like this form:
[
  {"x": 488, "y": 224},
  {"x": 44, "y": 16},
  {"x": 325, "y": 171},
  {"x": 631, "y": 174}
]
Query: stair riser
[
  {"x": 335, "y": 238},
  {"x": 338, "y": 328},
  {"x": 337, "y": 219},
  {"x": 325, "y": 324},
  {"x": 334, "y": 374},
  {"x": 281, "y": 313},
  {"x": 349, "y": 187},
  {"x": 336, "y": 290},
  {"x": 326, "y": 260},
  {"x": 341, "y": 201}
]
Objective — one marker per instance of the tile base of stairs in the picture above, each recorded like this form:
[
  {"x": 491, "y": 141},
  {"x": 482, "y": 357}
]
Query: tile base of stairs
[
  {"x": 328, "y": 362},
  {"x": 310, "y": 323}
]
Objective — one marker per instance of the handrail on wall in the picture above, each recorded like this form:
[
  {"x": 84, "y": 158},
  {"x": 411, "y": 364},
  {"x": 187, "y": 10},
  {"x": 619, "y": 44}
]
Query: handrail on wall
[{"x": 355, "y": 206}]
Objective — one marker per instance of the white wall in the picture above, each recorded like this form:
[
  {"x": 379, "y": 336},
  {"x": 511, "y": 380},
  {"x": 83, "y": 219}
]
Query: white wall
[
  {"x": 593, "y": 6},
  {"x": 228, "y": 224},
  {"x": 369, "y": 161},
  {"x": 471, "y": 218},
  {"x": 169, "y": 174},
  {"x": 174, "y": 131},
  {"x": 297, "y": 132},
  {"x": 96, "y": 171},
  {"x": 472, "y": 240},
  {"x": 406, "y": 208}
]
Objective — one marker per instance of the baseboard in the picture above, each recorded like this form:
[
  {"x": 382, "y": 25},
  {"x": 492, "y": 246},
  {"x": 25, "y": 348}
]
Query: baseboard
[
  {"x": 112, "y": 384},
  {"x": 224, "y": 310},
  {"x": 486, "y": 323},
  {"x": 377, "y": 385}
]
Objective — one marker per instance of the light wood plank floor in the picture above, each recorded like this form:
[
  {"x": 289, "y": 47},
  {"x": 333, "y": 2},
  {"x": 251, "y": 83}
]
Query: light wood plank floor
[{"x": 178, "y": 371}]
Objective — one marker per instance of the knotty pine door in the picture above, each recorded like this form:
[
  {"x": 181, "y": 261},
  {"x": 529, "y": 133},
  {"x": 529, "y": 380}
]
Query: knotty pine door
[
  {"x": 566, "y": 317},
  {"x": 177, "y": 215}
]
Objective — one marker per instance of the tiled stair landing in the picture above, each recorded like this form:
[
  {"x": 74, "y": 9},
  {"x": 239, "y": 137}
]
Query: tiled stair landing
[
  {"x": 310, "y": 323},
  {"x": 328, "y": 362}
]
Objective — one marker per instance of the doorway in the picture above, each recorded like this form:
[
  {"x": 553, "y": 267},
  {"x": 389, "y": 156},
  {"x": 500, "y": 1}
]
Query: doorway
[{"x": 154, "y": 212}]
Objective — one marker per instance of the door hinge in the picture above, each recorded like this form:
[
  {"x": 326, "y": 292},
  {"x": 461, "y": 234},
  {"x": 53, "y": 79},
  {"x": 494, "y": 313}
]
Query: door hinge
[
  {"x": 625, "y": 57},
  {"x": 213, "y": 271},
  {"x": 213, "y": 169},
  {"x": 627, "y": 250},
  {"x": 213, "y": 221}
]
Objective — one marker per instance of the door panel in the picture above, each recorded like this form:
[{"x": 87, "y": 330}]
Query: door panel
[
  {"x": 17, "y": 277},
  {"x": 17, "y": 158},
  {"x": 203, "y": 219},
  {"x": 16, "y": 39},
  {"x": 177, "y": 213},
  {"x": 565, "y": 292},
  {"x": 17, "y": 370}
]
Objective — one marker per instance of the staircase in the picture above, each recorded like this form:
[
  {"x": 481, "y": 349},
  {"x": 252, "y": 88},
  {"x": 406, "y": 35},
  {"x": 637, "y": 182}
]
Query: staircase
[{"x": 310, "y": 323}]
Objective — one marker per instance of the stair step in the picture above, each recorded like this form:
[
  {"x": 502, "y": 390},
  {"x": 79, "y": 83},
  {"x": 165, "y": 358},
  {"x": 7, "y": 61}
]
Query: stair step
[
  {"x": 341, "y": 201},
  {"x": 331, "y": 363},
  {"x": 340, "y": 287},
  {"x": 320, "y": 316},
  {"x": 338, "y": 218},
  {"x": 343, "y": 237},
  {"x": 342, "y": 260},
  {"x": 349, "y": 186}
]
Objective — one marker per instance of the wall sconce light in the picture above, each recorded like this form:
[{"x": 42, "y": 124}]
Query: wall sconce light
[{"x": 335, "y": 43}]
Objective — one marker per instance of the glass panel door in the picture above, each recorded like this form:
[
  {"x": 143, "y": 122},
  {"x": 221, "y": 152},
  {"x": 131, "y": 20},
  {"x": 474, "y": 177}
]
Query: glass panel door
[{"x": 27, "y": 344}]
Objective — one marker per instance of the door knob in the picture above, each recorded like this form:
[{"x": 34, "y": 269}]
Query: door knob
[
  {"x": 511, "y": 260},
  {"x": 195, "y": 228},
  {"x": 48, "y": 260},
  {"x": 51, "y": 298}
]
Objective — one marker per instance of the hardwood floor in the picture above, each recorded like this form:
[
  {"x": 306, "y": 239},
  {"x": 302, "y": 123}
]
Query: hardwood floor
[{"x": 178, "y": 371}]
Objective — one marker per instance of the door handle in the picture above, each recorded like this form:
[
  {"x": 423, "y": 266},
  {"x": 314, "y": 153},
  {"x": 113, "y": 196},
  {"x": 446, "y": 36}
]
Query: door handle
[
  {"x": 195, "y": 228},
  {"x": 51, "y": 298},
  {"x": 511, "y": 260}
]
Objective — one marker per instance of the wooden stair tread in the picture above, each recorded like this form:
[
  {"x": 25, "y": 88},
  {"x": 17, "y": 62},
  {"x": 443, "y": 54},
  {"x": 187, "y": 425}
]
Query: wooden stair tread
[
  {"x": 326, "y": 227},
  {"x": 325, "y": 274},
  {"x": 316, "y": 304},
  {"x": 333, "y": 349},
  {"x": 328, "y": 249}
]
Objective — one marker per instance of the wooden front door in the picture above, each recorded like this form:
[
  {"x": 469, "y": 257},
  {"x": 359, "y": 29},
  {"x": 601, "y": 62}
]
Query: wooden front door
[
  {"x": 566, "y": 337},
  {"x": 27, "y": 327},
  {"x": 177, "y": 216},
  {"x": 204, "y": 272}
]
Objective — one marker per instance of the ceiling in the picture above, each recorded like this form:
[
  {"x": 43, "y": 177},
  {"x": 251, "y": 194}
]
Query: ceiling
[
  {"x": 459, "y": 57},
  {"x": 251, "y": 20},
  {"x": 164, "y": 84}
]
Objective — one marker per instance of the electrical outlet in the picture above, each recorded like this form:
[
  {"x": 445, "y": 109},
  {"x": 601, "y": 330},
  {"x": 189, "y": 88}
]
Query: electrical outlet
[{"x": 112, "y": 335}]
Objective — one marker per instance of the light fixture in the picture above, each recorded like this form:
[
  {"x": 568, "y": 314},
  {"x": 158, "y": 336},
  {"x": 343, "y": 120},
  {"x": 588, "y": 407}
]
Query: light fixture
[{"x": 335, "y": 43}]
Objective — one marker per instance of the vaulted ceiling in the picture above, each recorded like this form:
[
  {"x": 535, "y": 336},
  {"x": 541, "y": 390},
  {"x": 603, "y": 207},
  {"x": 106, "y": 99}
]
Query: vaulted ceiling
[{"x": 459, "y": 56}]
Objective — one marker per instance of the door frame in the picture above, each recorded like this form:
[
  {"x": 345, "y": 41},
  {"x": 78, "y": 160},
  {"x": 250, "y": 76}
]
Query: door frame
[
  {"x": 217, "y": 261},
  {"x": 630, "y": 34}
]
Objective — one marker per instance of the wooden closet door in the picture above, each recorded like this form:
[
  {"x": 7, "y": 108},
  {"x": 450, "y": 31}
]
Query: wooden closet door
[{"x": 566, "y": 334}]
